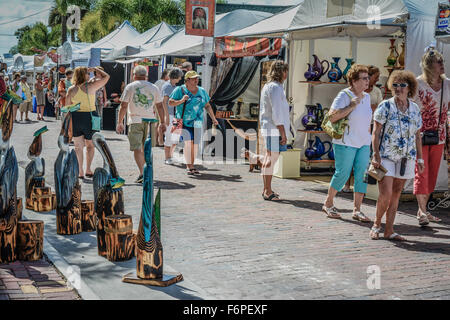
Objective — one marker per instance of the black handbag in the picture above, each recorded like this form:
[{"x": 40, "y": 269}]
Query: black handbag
[{"x": 431, "y": 137}]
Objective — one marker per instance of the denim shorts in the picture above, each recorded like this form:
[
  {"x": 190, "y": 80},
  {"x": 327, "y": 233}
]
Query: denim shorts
[
  {"x": 273, "y": 144},
  {"x": 191, "y": 133}
]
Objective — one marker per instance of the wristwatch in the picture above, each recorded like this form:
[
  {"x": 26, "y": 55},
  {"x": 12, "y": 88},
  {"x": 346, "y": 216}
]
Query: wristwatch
[{"x": 420, "y": 161}]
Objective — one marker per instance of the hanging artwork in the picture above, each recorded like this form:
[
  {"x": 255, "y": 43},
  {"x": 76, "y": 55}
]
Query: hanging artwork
[
  {"x": 235, "y": 48},
  {"x": 200, "y": 17}
]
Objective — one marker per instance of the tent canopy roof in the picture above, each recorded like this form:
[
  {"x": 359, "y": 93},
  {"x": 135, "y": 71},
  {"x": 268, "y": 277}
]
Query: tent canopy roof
[
  {"x": 366, "y": 18},
  {"x": 116, "y": 39},
  {"x": 187, "y": 45}
]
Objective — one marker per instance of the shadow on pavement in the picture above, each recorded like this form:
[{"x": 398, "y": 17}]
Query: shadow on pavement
[{"x": 168, "y": 185}]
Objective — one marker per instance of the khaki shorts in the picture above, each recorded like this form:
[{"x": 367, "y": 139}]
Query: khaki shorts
[
  {"x": 137, "y": 134},
  {"x": 26, "y": 106}
]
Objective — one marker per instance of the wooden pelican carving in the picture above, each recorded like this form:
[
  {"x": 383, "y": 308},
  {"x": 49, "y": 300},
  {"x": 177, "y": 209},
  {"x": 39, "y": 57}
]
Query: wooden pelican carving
[
  {"x": 35, "y": 170},
  {"x": 68, "y": 189},
  {"x": 149, "y": 250},
  {"x": 9, "y": 174},
  {"x": 108, "y": 193}
]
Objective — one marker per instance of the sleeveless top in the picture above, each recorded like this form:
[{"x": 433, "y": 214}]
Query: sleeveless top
[{"x": 87, "y": 104}]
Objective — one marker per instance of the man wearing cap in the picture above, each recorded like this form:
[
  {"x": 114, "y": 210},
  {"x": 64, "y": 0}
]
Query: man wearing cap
[
  {"x": 195, "y": 99},
  {"x": 26, "y": 105},
  {"x": 138, "y": 100},
  {"x": 185, "y": 67}
]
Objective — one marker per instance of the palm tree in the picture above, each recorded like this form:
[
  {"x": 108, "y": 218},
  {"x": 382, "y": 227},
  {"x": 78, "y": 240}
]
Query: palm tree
[
  {"x": 58, "y": 15},
  {"x": 38, "y": 36}
]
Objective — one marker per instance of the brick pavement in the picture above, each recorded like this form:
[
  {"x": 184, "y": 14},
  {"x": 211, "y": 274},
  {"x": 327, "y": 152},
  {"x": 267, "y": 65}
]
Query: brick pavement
[
  {"x": 219, "y": 233},
  {"x": 36, "y": 280}
]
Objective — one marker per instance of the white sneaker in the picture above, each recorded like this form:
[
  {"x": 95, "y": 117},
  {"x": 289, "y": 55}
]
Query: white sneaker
[{"x": 169, "y": 161}]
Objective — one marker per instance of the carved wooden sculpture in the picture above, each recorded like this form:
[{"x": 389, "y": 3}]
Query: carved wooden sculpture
[
  {"x": 30, "y": 240},
  {"x": 68, "y": 189},
  {"x": 149, "y": 250},
  {"x": 9, "y": 174},
  {"x": 88, "y": 217},
  {"x": 108, "y": 193},
  {"x": 34, "y": 176}
]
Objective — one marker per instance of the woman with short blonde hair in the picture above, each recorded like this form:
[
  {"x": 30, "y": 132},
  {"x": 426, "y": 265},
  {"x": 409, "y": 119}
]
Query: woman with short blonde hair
[{"x": 433, "y": 98}]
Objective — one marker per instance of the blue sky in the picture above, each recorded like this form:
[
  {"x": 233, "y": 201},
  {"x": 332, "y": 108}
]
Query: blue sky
[{"x": 18, "y": 9}]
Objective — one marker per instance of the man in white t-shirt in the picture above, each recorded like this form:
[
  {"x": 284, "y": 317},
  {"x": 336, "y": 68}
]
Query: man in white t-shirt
[{"x": 139, "y": 100}]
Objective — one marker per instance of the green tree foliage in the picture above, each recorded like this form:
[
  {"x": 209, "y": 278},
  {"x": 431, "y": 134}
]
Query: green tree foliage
[
  {"x": 143, "y": 14},
  {"x": 37, "y": 36}
]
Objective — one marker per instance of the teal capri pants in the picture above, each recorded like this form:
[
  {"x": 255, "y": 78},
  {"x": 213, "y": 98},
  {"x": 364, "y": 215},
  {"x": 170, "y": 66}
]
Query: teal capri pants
[{"x": 347, "y": 158}]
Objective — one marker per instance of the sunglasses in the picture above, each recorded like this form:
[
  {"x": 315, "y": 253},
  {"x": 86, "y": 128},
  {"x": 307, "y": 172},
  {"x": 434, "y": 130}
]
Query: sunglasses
[{"x": 401, "y": 85}]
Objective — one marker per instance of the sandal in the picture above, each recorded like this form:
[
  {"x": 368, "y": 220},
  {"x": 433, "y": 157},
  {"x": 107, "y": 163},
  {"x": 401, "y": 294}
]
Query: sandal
[
  {"x": 433, "y": 218},
  {"x": 195, "y": 172},
  {"x": 395, "y": 237},
  {"x": 423, "y": 220},
  {"x": 376, "y": 231},
  {"x": 272, "y": 197},
  {"x": 346, "y": 190},
  {"x": 331, "y": 212},
  {"x": 190, "y": 172},
  {"x": 89, "y": 175},
  {"x": 358, "y": 215},
  {"x": 81, "y": 177}
]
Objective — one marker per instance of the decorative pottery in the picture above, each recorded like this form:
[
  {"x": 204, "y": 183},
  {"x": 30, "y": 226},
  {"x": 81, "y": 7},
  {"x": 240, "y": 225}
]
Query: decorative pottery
[
  {"x": 319, "y": 113},
  {"x": 310, "y": 74},
  {"x": 350, "y": 62},
  {"x": 335, "y": 73},
  {"x": 392, "y": 58},
  {"x": 401, "y": 57},
  {"x": 320, "y": 147},
  {"x": 331, "y": 154},
  {"x": 310, "y": 121},
  {"x": 310, "y": 152},
  {"x": 319, "y": 68}
]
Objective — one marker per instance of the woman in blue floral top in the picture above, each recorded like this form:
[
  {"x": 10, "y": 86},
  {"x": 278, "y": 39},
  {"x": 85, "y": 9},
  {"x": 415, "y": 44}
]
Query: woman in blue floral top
[{"x": 397, "y": 123}]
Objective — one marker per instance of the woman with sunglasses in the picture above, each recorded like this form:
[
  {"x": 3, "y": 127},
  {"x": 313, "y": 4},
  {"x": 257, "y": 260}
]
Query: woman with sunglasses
[
  {"x": 433, "y": 99},
  {"x": 353, "y": 150},
  {"x": 396, "y": 145}
]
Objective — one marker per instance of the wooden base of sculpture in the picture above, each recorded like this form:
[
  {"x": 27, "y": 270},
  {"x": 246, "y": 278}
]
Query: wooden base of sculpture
[
  {"x": 41, "y": 200},
  {"x": 164, "y": 281},
  {"x": 54, "y": 201},
  {"x": 120, "y": 241},
  {"x": 88, "y": 217},
  {"x": 30, "y": 194},
  {"x": 68, "y": 220},
  {"x": 19, "y": 208},
  {"x": 30, "y": 240},
  {"x": 110, "y": 202},
  {"x": 8, "y": 236}
]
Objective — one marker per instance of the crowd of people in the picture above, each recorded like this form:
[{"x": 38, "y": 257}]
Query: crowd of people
[{"x": 405, "y": 135}]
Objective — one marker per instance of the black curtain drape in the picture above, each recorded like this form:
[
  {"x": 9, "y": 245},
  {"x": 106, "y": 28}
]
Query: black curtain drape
[{"x": 236, "y": 81}]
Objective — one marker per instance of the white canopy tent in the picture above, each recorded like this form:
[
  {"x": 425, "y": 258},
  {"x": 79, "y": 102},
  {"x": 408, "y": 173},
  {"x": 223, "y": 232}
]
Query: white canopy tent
[
  {"x": 70, "y": 51},
  {"x": 153, "y": 36},
  {"x": 119, "y": 38}
]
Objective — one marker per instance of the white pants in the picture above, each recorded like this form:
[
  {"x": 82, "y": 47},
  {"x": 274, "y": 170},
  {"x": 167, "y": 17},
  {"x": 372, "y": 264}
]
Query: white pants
[
  {"x": 168, "y": 142},
  {"x": 393, "y": 168}
]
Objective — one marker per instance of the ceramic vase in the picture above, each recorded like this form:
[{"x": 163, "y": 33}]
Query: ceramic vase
[
  {"x": 310, "y": 152},
  {"x": 310, "y": 74},
  {"x": 335, "y": 73},
  {"x": 350, "y": 62},
  {"x": 392, "y": 58},
  {"x": 401, "y": 57},
  {"x": 310, "y": 120},
  {"x": 319, "y": 67}
]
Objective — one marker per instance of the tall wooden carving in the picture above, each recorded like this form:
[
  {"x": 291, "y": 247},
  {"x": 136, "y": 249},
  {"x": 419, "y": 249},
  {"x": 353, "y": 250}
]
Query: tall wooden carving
[
  {"x": 149, "y": 250},
  {"x": 68, "y": 189},
  {"x": 9, "y": 174},
  {"x": 108, "y": 193},
  {"x": 34, "y": 176}
]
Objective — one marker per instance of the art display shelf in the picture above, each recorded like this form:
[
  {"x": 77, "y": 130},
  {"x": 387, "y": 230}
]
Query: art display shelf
[{"x": 321, "y": 82}]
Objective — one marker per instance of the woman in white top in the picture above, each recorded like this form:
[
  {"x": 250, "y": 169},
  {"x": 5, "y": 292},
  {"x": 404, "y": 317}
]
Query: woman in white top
[
  {"x": 274, "y": 119},
  {"x": 353, "y": 150}
]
